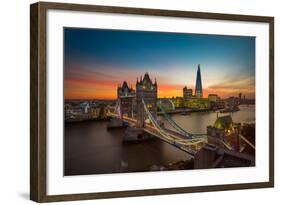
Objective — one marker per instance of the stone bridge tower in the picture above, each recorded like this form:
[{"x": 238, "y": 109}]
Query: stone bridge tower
[
  {"x": 125, "y": 99},
  {"x": 146, "y": 90}
]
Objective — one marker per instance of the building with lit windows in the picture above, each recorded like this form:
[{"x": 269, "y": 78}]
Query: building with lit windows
[
  {"x": 146, "y": 90},
  {"x": 126, "y": 98},
  {"x": 187, "y": 92},
  {"x": 213, "y": 97}
]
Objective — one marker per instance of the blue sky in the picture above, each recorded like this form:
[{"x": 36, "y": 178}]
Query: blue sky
[{"x": 107, "y": 57}]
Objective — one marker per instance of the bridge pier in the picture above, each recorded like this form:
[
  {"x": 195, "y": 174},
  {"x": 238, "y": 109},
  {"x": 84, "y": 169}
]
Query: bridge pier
[
  {"x": 135, "y": 134},
  {"x": 115, "y": 123}
]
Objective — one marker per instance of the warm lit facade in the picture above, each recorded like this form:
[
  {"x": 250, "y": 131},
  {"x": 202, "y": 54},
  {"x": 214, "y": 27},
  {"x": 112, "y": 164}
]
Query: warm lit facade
[
  {"x": 147, "y": 91},
  {"x": 187, "y": 92},
  {"x": 213, "y": 97},
  {"x": 224, "y": 133},
  {"x": 126, "y": 97}
]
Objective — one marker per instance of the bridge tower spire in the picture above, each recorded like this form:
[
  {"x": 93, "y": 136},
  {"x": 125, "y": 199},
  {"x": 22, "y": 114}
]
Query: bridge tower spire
[
  {"x": 146, "y": 91},
  {"x": 125, "y": 96}
]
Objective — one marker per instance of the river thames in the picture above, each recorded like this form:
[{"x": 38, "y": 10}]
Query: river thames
[{"x": 89, "y": 148}]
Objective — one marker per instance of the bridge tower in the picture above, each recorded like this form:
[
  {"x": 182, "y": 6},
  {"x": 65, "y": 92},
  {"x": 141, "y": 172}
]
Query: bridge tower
[
  {"x": 125, "y": 99},
  {"x": 147, "y": 91}
]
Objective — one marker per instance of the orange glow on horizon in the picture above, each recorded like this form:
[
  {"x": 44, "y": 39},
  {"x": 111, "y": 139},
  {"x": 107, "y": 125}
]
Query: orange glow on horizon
[{"x": 78, "y": 89}]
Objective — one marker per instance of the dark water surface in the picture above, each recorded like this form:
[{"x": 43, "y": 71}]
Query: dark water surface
[{"x": 91, "y": 149}]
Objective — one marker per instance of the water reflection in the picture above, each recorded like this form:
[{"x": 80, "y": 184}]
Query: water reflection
[{"x": 91, "y": 149}]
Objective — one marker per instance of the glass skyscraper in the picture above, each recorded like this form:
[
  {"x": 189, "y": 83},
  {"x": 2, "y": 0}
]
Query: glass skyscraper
[{"x": 198, "y": 87}]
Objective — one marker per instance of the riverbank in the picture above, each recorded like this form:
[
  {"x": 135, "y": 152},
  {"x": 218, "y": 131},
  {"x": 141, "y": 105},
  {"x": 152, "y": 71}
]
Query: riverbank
[{"x": 85, "y": 117}]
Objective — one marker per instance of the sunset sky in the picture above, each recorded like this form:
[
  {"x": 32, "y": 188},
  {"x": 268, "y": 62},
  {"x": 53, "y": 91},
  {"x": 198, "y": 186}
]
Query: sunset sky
[{"x": 96, "y": 61}]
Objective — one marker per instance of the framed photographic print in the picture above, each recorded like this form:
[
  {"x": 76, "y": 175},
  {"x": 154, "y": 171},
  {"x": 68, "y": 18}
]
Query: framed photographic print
[{"x": 133, "y": 102}]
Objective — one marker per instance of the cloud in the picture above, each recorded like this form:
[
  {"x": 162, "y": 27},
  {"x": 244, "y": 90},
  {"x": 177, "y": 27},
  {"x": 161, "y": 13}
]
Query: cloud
[
  {"x": 238, "y": 82},
  {"x": 84, "y": 72},
  {"x": 233, "y": 86}
]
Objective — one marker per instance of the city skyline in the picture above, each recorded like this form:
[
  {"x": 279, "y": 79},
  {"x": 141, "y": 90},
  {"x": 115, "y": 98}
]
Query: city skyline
[{"x": 96, "y": 61}]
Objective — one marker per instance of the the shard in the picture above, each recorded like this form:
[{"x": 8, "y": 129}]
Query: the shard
[{"x": 198, "y": 87}]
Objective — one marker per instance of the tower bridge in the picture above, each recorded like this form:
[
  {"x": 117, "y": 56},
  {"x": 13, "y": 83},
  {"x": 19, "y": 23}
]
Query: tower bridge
[{"x": 145, "y": 119}]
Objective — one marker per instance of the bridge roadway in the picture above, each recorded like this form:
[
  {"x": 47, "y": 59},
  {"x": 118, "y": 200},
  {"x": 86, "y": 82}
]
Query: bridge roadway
[{"x": 191, "y": 146}]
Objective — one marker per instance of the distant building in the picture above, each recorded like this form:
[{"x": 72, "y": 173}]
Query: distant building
[
  {"x": 213, "y": 97},
  {"x": 192, "y": 103},
  {"x": 179, "y": 102},
  {"x": 166, "y": 103},
  {"x": 198, "y": 86},
  {"x": 232, "y": 101},
  {"x": 187, "y": 92},
  {"x": 216, "y": 102},
  {"x": 95, "y": 112},
  {"x": 240, "y": 97},
  {"x": 197, "y": 103}
]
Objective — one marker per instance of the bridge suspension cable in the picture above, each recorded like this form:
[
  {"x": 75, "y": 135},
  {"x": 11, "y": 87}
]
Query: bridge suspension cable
[
  {"x": 181, "y": 143},
  {"x": 118, "y": 109},
  {"x": 173, "y": 104},
  {"x": 177, "y": 127}
]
